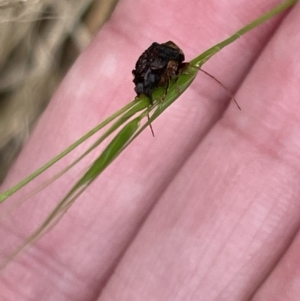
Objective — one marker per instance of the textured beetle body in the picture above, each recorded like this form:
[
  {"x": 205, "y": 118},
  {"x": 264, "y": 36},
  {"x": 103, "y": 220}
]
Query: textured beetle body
[{"x": 156, "y": 67}]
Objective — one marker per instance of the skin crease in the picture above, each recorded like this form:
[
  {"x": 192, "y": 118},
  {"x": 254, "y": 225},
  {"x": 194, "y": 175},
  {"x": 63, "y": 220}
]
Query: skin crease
[{"x": 206, "y": 210}]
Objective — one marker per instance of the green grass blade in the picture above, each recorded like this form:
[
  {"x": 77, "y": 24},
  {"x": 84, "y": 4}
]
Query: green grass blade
[
  {"x": 12, "y": 190},
  {"x": 139, "y": 105}
]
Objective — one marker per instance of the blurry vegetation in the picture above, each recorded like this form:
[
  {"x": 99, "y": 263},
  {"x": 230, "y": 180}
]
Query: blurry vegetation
[{"x": 39, "y": 41}]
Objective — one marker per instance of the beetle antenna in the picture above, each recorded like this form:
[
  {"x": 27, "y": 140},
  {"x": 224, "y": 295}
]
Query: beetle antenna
[
  {"x": 226, "y": 89},
  {"x": 150, "y": 125}
]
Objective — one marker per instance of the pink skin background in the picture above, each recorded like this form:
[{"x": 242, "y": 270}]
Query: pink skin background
[{"x": 209, "y": 209}]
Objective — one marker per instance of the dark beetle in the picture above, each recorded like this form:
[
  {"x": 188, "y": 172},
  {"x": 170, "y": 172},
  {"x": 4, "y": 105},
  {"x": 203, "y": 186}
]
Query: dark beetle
[{"x": 156, "y": 66}]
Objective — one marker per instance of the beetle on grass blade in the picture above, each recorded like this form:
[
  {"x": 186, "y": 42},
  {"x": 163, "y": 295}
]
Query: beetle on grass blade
[{"x": 158, "y": 65}]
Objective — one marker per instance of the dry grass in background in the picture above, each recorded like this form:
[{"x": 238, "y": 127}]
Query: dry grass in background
[{"x": 39, "y": 40}]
